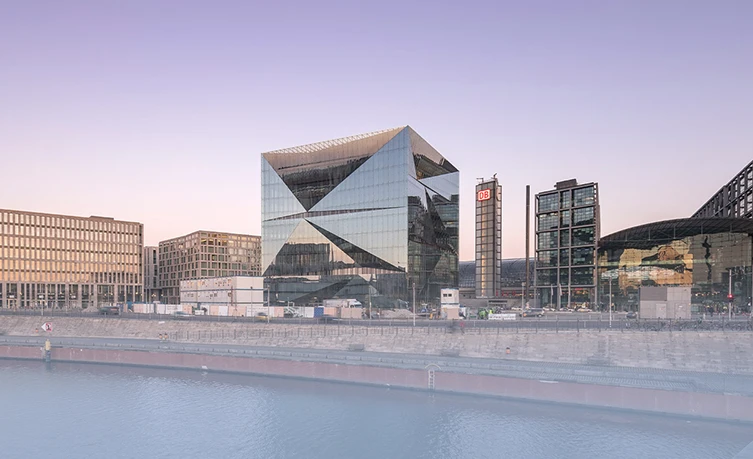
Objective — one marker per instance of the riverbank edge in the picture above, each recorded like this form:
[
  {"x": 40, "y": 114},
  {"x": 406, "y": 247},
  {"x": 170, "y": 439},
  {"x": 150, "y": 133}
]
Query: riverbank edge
[{"x": 715, "y": 406}]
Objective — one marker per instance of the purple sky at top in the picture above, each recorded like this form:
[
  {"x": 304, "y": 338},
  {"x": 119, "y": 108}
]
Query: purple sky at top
[{"x": 157, "y": 111}]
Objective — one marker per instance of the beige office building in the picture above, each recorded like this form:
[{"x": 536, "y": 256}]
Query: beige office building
[
  {"x": 203, "y": 255},
  {"x": 62, "y": 261}
]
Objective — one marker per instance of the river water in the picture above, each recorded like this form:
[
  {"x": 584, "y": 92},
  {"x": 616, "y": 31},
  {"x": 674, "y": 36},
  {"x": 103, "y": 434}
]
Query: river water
[{"x": 99, "y": 411}]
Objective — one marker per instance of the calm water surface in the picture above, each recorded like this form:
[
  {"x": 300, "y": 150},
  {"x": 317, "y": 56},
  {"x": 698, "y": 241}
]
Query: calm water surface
[{"x": 88, "y": 411}]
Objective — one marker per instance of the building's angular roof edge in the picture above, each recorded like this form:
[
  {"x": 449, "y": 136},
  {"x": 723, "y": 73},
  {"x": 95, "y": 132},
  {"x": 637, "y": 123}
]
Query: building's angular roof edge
[{"x": 316, "y": 146}]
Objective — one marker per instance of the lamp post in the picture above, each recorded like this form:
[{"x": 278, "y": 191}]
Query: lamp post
[
  {"x": 610, "y": 302},
  {"x": 729, "y": 295},
  {"x": 414, "y": 303}
]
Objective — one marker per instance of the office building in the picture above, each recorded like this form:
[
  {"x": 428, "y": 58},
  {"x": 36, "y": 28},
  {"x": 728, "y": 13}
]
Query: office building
[
  {"x": 567, "y": 234},
  {"x": 711, "y": 256},
  {"x": 61, "y": 261},
  {"x": 735, "y": 199},
  {"x": 488, "y": 238},
  {"x": 151, "y": 274},
  {"x": 362, "y": 217},
  {"x": 205, "y": 254}
]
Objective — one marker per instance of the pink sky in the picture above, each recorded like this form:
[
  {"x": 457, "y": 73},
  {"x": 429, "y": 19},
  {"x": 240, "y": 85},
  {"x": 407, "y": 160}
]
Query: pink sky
[{"x": 158, "y": 111}]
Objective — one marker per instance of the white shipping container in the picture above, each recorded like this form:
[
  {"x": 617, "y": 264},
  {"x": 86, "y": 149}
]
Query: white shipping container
[{"x": 308, "y": 312}]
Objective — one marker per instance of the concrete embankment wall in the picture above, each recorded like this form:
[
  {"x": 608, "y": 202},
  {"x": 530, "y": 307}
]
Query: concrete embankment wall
[
  {"x": 708, "y": 405},
  {"x": 715, "y": 351}
]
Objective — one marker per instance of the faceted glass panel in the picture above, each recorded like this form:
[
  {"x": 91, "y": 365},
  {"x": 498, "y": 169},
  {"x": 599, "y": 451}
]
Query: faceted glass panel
[{"x": 373, "y": 229}]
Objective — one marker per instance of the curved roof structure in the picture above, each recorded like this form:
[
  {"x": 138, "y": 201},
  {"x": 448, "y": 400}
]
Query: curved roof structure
[{"x": 648, "y": 235}]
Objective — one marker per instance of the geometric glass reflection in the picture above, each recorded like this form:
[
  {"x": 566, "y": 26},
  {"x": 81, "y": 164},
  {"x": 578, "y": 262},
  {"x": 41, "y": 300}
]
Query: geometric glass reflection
[{"x": 360, "y": 217}]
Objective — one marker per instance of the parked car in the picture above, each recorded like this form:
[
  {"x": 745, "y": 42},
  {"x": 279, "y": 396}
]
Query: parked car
[
  {"x": 631, "y": 315},
  {"x": 261, "y": 317},
  {"x": 533, "y": 312},
  {"x": 109, "y": 310},
  {"x": 181, "y": 315},
  {"x": 325, "y": 319}
]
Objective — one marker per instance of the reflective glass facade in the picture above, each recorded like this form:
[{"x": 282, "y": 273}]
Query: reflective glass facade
[
  {"x": 567, "y": 233},
  {"x": 701, "y": 253},
  {"x": 360, "y": 217},
  {"x": 60, "y": 261},
  {"x": 488, "y": 238}
]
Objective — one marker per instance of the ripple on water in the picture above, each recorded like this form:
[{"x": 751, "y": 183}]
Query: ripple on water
[{"x": 71, "y": 411}]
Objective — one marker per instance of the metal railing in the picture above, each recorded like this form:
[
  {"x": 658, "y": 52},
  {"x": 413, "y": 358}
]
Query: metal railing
[{"x": 546, "y": 324}]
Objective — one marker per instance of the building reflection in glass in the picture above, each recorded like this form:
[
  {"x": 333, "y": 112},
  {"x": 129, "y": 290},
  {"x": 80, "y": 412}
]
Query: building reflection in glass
[
  {"x": 360, "y": 217},
  {"x": 701, "y": 253}
]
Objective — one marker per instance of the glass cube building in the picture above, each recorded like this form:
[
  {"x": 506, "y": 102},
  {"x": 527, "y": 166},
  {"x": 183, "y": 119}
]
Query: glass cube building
[{"x": 363, "y": 217}]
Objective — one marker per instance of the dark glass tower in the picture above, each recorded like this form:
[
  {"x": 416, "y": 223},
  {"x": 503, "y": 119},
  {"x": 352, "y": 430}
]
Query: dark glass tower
[{"x": 360, "y": 217}]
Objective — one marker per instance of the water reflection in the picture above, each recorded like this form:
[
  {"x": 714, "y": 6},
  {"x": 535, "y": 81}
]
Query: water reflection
[{"x": 83, "y": 410}]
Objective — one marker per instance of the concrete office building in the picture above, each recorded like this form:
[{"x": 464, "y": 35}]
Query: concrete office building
[
  {"x": 735, "y": 199},
  {"x": 205, "y": 254},
  {"x": 151, "y": 274},
  {"x": 567, "y": 234},
  {"x": 488, "y": 238},
  {"x": 62, "y": 261},
  {"x": 363, "y": 217}
]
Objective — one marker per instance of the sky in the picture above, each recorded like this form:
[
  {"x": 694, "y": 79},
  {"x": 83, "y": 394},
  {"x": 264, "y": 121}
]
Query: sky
[{"x": 158, "y": 111}]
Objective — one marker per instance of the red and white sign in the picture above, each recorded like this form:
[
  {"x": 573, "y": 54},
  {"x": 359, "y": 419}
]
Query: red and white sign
[
  {"x": 47, "y": 327},
  {"x": 484, "y": 195}
]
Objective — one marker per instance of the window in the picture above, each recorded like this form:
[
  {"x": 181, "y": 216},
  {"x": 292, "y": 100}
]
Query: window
[
  {"x": 548, "y": 202},
  {"x": 547, "y": 240},
  {"x": 583, "y": 236},
  {"x": 582, "y": 276},
  {"x": 547, "y": 258},
  {"x": 565, "y": 199},
  {"x": 583, "y": 256},
  {"x": 546, "y": 277},
  {"x": 584, "y": 216},
  {"x": 583, "y": 196},
  {"x": 564, "y": 257},
  {"x": 564, "y": 238},
  {"x": 547, "y": 221}
]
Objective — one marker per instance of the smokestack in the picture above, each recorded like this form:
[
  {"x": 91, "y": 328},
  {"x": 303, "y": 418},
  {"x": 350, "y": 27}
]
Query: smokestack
[{"x": 528, "y": 242}]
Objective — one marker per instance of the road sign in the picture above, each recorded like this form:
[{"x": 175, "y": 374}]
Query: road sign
[{"x": 47, "y": 327}]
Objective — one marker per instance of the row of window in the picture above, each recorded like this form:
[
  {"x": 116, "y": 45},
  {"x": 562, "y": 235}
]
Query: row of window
[
  {"x": 566, "y": 238},
  {"x": 68, "y": 277},
  {"x": 566, "y": 218},
  {"x": 565, "y": 277},
  {"x": 565, "y": 257},
  {"x": 566, "y": 199},
  {"x": 60, "y": 222}
]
